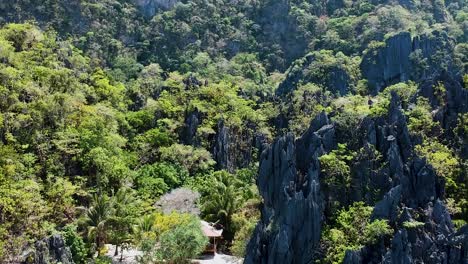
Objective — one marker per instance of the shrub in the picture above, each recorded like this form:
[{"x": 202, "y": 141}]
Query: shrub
[
  {"x": 458, "y": 223},
  {"x": 103, "y": 260},
  {"x": 351, "y": 231},
  {"x": 375, "y": 230},
  {"x": 177, "y": 239},
  {"x": 442, "y": 159},
  {"x": 245, "y": 221},
  {"x": 405, "y": 92},
  {"x": 183, "y": 242},
  {"x": 412, "y": 224},
  {"x": 75, "y": 243},
  {"x": 420, "y": 119},
  {"x": 242, "y": 238},
  {"x": 335, "y": 166}
]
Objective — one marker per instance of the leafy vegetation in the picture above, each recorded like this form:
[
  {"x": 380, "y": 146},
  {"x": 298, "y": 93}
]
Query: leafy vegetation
[
  {"x": 105, "y": 106},
  {"x": 337, "y": 174},
  {"x": 351, "y": 231},
  {"x": 174, "y": 238},
  {"x": 413, "y": 224}
]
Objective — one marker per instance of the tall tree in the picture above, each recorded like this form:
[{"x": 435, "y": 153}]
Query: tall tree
[
  {"x": 97, "y": 220},
  {"x": 124, "y": 215},
  {"x": 224, "y": 200}
]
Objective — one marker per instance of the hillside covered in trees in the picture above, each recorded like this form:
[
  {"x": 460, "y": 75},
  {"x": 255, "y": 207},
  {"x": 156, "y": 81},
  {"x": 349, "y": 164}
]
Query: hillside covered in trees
[{"x": 309, "y": 131}]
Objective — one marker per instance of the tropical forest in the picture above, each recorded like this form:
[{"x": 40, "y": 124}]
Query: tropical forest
[{"x": 233, "y": 131}]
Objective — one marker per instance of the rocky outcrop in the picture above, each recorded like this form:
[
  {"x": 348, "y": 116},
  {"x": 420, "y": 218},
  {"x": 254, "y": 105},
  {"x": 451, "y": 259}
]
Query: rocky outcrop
[
  {"x": 413, "y": 207},
  {"x": 403, "y": 187},
  {"x": 280, "y": 32},
  {"x": 389, "y": 136},
  {"x": 388, "y": 64},
  {"x": 449, "y": 104},
  {"x": 234, "y": 147},
  {"x": 321, "y": 69},
  {"x": 221, "y": 151},
  {"x": 402, "y": 58},
  {"x": 290, "y": 226},
  {"x": 151, "y": 7},
  {"x": 51, "y": 250},
  {"x": 433, "y": 240},
  {"x": 189, "y": 132}
]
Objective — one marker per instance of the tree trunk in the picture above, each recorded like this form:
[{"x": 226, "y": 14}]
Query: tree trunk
[
  {"x": 98, "y": 244},
  {"x": 116, "y": 250}
]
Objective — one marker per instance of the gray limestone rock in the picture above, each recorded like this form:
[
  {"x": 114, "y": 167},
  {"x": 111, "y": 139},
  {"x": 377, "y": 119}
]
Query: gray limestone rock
[
  {"x": 295, "y": 205},
  {"x": 389, "y": 64},
  {"x": 150, "y": 7},
  {"x": 233, "y": 147},
  {"x": 333, "y": 76},
  {"x": 290, "y": 227},
  {"x": 387, "y": 208},
  {"x": 50, "y": 250},
  {"x": 189, "y": 132},
  {"x": 403, "y": 58}
]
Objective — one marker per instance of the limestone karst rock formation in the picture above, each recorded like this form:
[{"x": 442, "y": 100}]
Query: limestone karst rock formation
[{"x": 295, "y": 201}]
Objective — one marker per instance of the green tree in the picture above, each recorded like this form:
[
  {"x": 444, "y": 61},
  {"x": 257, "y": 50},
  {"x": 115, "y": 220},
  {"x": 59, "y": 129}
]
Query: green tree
[
  {"x": 155, "y": 180},
  {"x": 60, "y": 198},
  {"x": 337, "y": 174},
  {"x": 144, "y": 230},
  {"x": 442, "y": 159},
  {"x": 351, "y": 231},
  {"x": 307, "y": 102},
  {"x": 121, "y": 222},
  {"x": 76, "y": 244},
  {"x": 245, "y": 221},
  {"x": 194, "y": 160},
  {"x": 23, "y": 214},
  {"x": 420, "y": 120},
  {"x": 173, "y": 238},
  {"x": 97, "y": 221},
  {"x": 224, "y": 200},
  {"x": 180, "y": 244}
]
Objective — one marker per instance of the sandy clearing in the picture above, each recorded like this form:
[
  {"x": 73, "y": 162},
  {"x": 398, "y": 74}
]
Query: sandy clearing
[{"x": 129, "y": 257}]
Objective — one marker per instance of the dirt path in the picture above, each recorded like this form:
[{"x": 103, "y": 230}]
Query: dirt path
[
  {"x": 218, "y": 259},
  {"x": 129, "y": 255}
]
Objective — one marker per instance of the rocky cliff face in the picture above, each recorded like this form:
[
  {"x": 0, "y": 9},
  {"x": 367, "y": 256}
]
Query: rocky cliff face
[
  {"x": 434, "y": 241},
  {"x": 403, "y": 58},
  {"x": 49, "y": 250},
  {"x": 388, "y": 64},
  {"x": 414, "y": 198},
  {"x": 150, "y": 7},
  {"x": 405, "y": 190},
  {"x": 291, "y": 221},
  {"x": 189, "y": 132},
  {"x": 312, "y": 68},
  {"x": 231, "y": 147},
  {"x": 447, "y": 107},
  {"x": 234, "y": 147},
  {"x": 280, "y": 30}
]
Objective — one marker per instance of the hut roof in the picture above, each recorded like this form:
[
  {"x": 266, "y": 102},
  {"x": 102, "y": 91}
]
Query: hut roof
[{"x": 209, "y": 230}]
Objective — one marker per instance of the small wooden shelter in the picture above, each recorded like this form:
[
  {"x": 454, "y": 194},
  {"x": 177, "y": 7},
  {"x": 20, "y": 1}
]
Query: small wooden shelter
[{"x": 212, "y": 233}]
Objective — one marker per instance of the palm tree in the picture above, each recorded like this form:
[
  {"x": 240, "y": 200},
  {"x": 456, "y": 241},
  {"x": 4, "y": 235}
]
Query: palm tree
[
  {"x": 144, "y": 226},
  {"x": 123, "y": 217},
  {"x": 225, "y": 199},
  {"x": 97, "y": 217}
]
